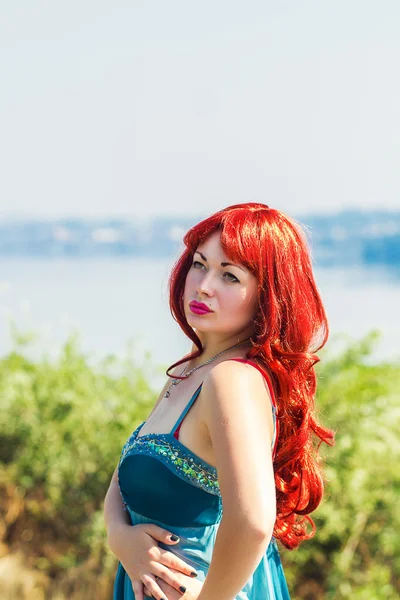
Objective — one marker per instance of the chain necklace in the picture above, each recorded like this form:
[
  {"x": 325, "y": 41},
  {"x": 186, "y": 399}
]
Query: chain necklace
[{"x": 207, "y": 362}]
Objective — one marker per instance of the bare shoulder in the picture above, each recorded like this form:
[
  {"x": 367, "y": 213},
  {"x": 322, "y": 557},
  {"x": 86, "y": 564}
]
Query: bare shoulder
[
  {"x": 237, "y": 405},
  {"x": 232, "y": 373},
  {"x": 230, "y": 381}
]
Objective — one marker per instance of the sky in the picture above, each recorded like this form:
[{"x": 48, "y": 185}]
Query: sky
[{"x": 175, "y": 107}]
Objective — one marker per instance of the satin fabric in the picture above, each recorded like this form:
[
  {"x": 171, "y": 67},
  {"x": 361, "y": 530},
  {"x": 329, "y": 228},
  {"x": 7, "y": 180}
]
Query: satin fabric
[{"x": 163, "y": 482}]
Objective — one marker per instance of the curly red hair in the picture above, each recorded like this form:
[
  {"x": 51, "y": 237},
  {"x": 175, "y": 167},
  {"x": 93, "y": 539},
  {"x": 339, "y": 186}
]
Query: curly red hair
[{"x": 291, "y": 325}]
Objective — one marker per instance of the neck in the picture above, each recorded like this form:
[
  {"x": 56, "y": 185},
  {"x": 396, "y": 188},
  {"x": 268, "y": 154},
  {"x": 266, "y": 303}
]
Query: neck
[{"x": 212, "y": 348}]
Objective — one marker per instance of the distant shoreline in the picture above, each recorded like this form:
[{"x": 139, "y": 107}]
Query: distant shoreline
[{"x": 346, "y": 238}]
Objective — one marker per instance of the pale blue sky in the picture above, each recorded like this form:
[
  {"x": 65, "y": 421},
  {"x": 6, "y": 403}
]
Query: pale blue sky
[{"x": 148, "y": 107}]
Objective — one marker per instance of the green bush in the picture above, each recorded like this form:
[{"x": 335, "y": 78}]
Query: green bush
[
  {"x": 356, "y": 550},
  {"x": 63, "y": 422},
  {"x": 62, "y": 425}
]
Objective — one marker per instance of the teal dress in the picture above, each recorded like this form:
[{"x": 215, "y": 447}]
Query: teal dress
[{"x": 163, "y": 482}]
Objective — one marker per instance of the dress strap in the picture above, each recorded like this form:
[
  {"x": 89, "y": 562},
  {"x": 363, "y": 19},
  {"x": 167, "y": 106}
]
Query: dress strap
[
  {"x": 274, "y": 405},
  {"x": 177, "y": 426},
  {"x": 183, "y": 414}
]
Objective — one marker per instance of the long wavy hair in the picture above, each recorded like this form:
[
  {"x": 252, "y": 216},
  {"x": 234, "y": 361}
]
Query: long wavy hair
[{"x": 291, "y": 325}]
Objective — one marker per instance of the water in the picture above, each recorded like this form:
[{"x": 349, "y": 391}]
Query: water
[{"x": 113, "y": 300}]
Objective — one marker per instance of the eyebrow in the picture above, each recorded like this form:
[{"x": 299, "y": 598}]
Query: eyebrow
[{"x": 223, "y": 264}]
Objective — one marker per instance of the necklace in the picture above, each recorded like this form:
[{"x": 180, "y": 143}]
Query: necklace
[{"x": 207, "y": 362}]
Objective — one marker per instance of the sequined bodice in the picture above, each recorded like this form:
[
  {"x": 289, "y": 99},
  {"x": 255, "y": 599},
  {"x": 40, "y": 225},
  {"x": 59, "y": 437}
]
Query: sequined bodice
[
  {"x": 163, "y": 480},
  {"x": 177, "y": 457}
]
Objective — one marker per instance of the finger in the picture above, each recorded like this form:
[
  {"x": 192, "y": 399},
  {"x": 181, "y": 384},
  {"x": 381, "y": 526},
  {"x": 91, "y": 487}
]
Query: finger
[
  {"x": 169, "y": 592},
  {"x": 174, "y": 562},
  {"x": 138, "y": 589},
  {"x": 151, "y": 584},
  {"x": 160, "y": 534},
  {"x": 164, "y": 575}
]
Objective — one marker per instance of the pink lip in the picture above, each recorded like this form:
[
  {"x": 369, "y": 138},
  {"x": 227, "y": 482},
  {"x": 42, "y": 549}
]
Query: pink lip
[{"x": 198, "y": 308}]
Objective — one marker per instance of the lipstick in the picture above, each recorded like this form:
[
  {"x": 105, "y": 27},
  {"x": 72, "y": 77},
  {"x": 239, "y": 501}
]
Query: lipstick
[{"x": 198, "y": 308}]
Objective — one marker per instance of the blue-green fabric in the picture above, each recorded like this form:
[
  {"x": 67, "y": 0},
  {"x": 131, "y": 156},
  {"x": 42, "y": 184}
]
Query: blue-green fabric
[{"x": 163, "y": 482}]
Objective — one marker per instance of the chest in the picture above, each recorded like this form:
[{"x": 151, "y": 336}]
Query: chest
[{"x": 179, "y": 412}]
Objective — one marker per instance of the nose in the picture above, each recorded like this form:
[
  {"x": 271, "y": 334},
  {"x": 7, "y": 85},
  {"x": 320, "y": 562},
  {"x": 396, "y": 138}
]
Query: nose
[{"x": 205, "y": 285}]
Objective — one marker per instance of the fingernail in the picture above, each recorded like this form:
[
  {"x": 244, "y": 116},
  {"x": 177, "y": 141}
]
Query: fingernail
[
  {"x": 174, "y": 538},
  {"x": 182, "y": 589},
  {"x": 193, "y": 574}
]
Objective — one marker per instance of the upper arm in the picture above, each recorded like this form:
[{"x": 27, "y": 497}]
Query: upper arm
[
  {"x": 238, "y": 413},
  {"x": 114, "y": 478}
]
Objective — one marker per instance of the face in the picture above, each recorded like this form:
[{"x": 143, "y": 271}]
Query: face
[{"x": 220, "y": 297}]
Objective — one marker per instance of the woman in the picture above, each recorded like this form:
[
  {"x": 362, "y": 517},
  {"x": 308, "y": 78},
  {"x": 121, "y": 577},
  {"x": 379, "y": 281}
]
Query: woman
[{"x": 225, "y": 466}]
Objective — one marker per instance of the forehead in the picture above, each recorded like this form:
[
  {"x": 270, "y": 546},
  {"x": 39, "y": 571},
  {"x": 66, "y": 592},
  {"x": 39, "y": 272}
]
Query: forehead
[
  {"x": 211, "y": 244},
  {"x": 212, "y": 250}
]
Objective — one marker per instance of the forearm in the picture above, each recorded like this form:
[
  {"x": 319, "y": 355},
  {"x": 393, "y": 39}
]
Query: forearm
[
  {"x": 238, "y": 550},
  {"x": 114, "y": 513}
]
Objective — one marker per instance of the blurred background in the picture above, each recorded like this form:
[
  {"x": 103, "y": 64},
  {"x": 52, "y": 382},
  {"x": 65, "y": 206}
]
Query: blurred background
[{"x": 122, "y": 124}]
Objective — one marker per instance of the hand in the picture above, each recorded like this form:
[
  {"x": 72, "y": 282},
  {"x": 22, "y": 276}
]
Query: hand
[
  {"x": 193, "y": 589},
  {"x": 137, "y": 549}
]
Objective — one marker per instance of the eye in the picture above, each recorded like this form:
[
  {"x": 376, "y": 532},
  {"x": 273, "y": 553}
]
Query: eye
[
  {"x": 197, "y": 264},
  {"x": 231, "y": 277}
]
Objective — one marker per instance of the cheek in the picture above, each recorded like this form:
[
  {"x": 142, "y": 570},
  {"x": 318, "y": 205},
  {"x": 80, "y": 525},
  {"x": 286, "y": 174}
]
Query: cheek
[
  {"x": 191, "y": 283},
  {"x": 243, "y": 301},
  {"x": 189, "y": 280},
  {"x": 246, "y": 302}
]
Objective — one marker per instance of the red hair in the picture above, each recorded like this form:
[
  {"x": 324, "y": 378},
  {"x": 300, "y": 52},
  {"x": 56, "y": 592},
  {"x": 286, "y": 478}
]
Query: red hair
[{"x": 291, "y": 325}]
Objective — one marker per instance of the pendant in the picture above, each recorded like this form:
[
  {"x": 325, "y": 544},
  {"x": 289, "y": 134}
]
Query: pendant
[{"x": 171, "y": 387}]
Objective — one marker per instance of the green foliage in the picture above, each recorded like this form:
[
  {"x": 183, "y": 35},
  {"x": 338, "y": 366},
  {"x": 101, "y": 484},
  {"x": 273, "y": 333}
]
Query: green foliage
[
  {"x": 356, "y": 550},
  {"x": 62, "y": 426}
]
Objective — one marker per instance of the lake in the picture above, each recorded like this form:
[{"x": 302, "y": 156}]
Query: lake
[{"x": 113, "y": 300}]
